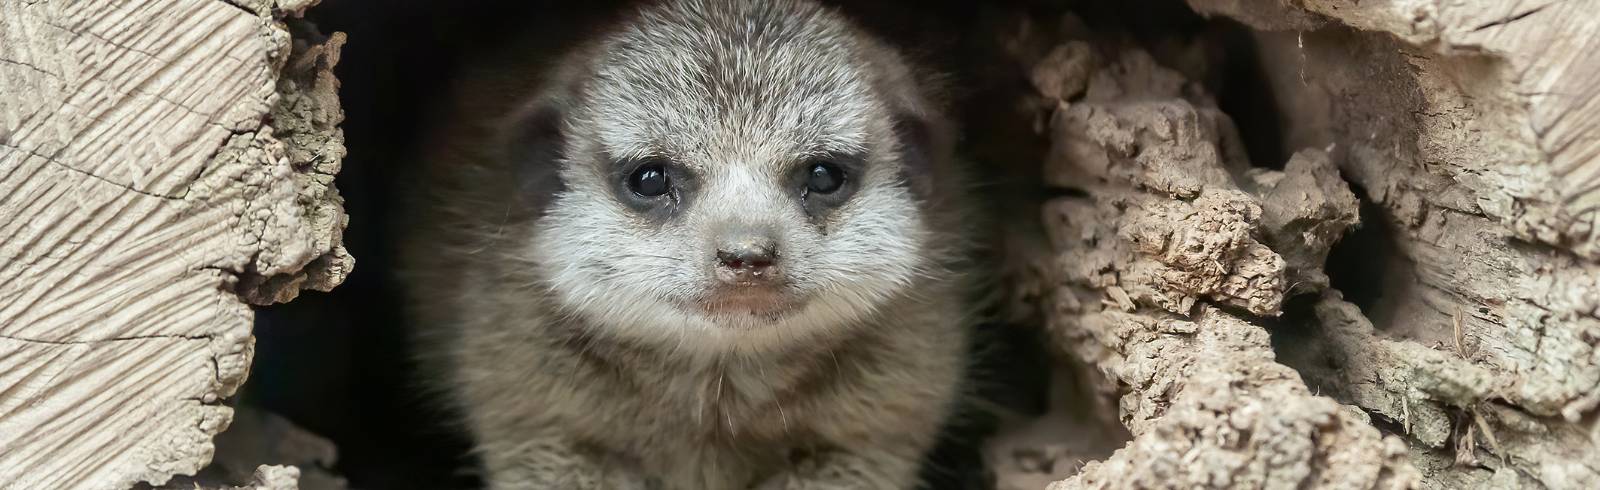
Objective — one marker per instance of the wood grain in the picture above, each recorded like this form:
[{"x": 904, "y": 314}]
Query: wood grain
[{"x": 139, "y": 181}]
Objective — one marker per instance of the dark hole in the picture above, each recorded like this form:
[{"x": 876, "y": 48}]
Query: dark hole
[
  {"x": 1058, "y": 192},
  {"x": 1231, "y": 66},
  {"x": 1011, "y": 369},
  {"x": 1367, "y": 265},
  {"x": 1297, "y": 340},
  {"x": 1244, "y": 93},
  {"x": 1150, "y": 21},
  {"x": 337, "y": 363}
]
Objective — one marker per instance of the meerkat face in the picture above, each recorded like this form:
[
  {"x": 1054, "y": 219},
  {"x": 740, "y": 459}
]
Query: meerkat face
[{"x": 740, "y": 171}]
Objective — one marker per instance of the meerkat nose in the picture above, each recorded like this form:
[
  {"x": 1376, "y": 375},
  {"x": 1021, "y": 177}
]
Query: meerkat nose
[{"x": 748, "y": 258}]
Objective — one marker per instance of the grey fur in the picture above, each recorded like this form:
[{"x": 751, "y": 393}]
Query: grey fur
[{"x": 570, "y": 330}]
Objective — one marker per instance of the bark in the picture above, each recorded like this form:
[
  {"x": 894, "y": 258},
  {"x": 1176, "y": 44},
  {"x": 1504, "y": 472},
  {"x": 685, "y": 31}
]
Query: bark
[
  {"x": 1196, "y": 283},
  {"x": 161, "y": 164}
]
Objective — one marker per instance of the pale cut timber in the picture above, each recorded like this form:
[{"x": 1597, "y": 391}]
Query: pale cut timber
[{"x": 142, "y": 191}]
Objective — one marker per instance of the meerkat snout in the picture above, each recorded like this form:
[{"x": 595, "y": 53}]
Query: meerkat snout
[{"x": 747, "y": 256}]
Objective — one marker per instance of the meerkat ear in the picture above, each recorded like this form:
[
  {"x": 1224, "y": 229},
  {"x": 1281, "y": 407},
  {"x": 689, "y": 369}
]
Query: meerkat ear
[
  {"x": 919, "y": 149},
  {"x": 913, "y": 135},
  {"x": 535, "y": 144}
]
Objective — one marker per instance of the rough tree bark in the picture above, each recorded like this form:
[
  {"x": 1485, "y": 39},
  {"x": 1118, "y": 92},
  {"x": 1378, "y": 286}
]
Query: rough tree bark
[
  {"x": 163, "y": 164},
  {"x": 1195, "y": 283}
]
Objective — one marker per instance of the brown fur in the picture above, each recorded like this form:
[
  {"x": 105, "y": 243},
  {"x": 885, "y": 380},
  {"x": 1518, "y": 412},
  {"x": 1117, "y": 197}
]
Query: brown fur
[{"x": 557, "y": 397}]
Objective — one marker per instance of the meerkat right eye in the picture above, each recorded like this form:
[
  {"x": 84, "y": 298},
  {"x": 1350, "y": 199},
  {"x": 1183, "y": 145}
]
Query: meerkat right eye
[
  {"x": 649, "y": 180},
  {"x": 824, "y": 178}
]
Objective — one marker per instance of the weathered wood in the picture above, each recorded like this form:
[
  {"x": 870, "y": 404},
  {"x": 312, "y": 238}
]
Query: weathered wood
[
  {"x": 1165, "y": 266},
  {"x": 1543, "y": 57},
  {"x": 143, "y": 188},
  {"x": 1470, "y": 127},
  {"x": 1473, "y": 127}
]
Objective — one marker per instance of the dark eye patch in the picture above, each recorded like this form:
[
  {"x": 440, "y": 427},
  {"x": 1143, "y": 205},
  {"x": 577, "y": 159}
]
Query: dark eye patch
[
  {"x": 826, "y": 182},
  {"x": 824, "y": 177},
  {"x": 655, "y": 187}
]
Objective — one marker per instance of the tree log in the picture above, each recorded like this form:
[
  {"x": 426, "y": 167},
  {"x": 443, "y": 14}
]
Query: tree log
[{"x": 161, "y": 163}]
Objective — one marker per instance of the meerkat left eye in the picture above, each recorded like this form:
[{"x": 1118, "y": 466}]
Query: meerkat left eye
[
  {"x": 649, "y": 180},
  {"x": 824, "y": 178}
]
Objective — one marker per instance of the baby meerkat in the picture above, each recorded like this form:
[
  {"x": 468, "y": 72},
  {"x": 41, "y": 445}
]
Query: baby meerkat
[{"x": 715, "y": 247}]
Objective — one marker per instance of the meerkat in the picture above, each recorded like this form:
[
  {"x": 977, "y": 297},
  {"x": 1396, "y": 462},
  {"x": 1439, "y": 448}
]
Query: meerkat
[{"x": 718, "y": 245}]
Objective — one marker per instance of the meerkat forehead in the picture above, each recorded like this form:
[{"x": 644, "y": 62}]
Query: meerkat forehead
[{"x": 727, "y": 79}]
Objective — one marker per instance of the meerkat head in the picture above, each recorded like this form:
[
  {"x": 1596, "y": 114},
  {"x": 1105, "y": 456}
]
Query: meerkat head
[{"x": 749, "y": 172}]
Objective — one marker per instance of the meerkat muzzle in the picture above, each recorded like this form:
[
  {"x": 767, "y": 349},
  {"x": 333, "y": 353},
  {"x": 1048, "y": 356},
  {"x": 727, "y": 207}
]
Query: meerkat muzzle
[{"x": 748, "y": 258}]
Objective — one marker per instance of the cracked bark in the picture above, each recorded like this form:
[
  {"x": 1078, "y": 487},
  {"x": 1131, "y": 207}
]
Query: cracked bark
[
  {"x": 143, "y": 200},
  {"x": 1471, "y": 363}
]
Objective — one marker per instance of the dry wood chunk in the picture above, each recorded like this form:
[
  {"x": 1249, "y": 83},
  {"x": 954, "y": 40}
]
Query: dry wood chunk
[{"x": 138, "y": 183}]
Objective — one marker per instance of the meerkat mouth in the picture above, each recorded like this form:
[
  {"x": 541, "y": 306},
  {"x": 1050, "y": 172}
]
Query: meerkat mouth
[{"x": 767, "y": 302}]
